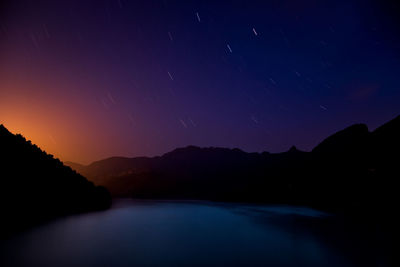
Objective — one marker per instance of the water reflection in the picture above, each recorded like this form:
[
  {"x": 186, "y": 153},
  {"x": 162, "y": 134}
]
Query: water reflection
[{"x": 190, "y": 234}]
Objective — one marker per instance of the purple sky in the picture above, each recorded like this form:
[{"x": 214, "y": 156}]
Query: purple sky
[{"x": 87, "y": 80}]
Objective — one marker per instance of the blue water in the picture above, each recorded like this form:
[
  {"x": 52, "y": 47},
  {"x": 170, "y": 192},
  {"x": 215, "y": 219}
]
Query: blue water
[{"x": 151, "y": 233}]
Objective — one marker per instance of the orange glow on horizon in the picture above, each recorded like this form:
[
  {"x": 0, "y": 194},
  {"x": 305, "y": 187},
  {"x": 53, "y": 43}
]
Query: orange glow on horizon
[{"x": 61, "y": 125}]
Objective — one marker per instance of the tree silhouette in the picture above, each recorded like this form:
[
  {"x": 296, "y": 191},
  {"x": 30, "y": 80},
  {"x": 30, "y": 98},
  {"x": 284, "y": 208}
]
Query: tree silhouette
[{"x": 36, "y": 187}]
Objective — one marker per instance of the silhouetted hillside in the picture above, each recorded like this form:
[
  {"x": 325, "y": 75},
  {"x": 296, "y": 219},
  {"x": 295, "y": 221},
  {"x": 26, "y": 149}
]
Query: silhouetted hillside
[
  {"x": 36, "y": 187},
  {"x": 353, "y": 172},
  {"x": 346, "y": 172},
  {"x": 199, "y": 173},
  {"x": 351, "y": 140}
]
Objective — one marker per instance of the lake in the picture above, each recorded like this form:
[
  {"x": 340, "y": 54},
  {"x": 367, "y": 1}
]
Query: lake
[{"x": 190, "y": 233}]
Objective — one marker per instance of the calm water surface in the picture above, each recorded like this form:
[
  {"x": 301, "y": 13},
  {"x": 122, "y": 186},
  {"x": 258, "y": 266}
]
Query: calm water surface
[{"x": 151, "y": 233}]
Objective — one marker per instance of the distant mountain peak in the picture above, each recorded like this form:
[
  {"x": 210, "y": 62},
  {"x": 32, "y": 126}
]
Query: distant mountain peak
[
  {"x": 185, "y": 149},
  {"x": 191, "y": 149}
]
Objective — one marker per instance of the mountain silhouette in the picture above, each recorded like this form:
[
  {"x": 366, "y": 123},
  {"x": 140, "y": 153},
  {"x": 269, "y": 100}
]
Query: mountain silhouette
[
  {"x": 350, "y": 140},
  {"x": 352, "y": 172},
  {"x": 340, "y": 174},
  {"x": 36, "y": 187}
]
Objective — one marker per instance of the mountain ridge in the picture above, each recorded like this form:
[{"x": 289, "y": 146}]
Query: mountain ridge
[
  {"x": 38, "y": 187},
  {"x": 342, "y": 162}
]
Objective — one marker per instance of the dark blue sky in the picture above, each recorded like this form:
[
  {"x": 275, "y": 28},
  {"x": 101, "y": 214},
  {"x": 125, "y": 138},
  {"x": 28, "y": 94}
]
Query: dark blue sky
[{"x": 92, "y": 79}]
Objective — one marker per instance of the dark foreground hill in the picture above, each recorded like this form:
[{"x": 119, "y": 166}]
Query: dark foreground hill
[
  {"x": 352, "y": 170},
  {"x": 36, "y": 187}
]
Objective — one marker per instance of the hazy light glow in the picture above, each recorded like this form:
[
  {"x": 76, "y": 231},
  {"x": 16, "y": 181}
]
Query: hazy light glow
[{"x": 87, "y": 80}]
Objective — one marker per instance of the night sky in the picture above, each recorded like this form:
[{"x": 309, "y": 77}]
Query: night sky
[{"x": 86, "y": 80}]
